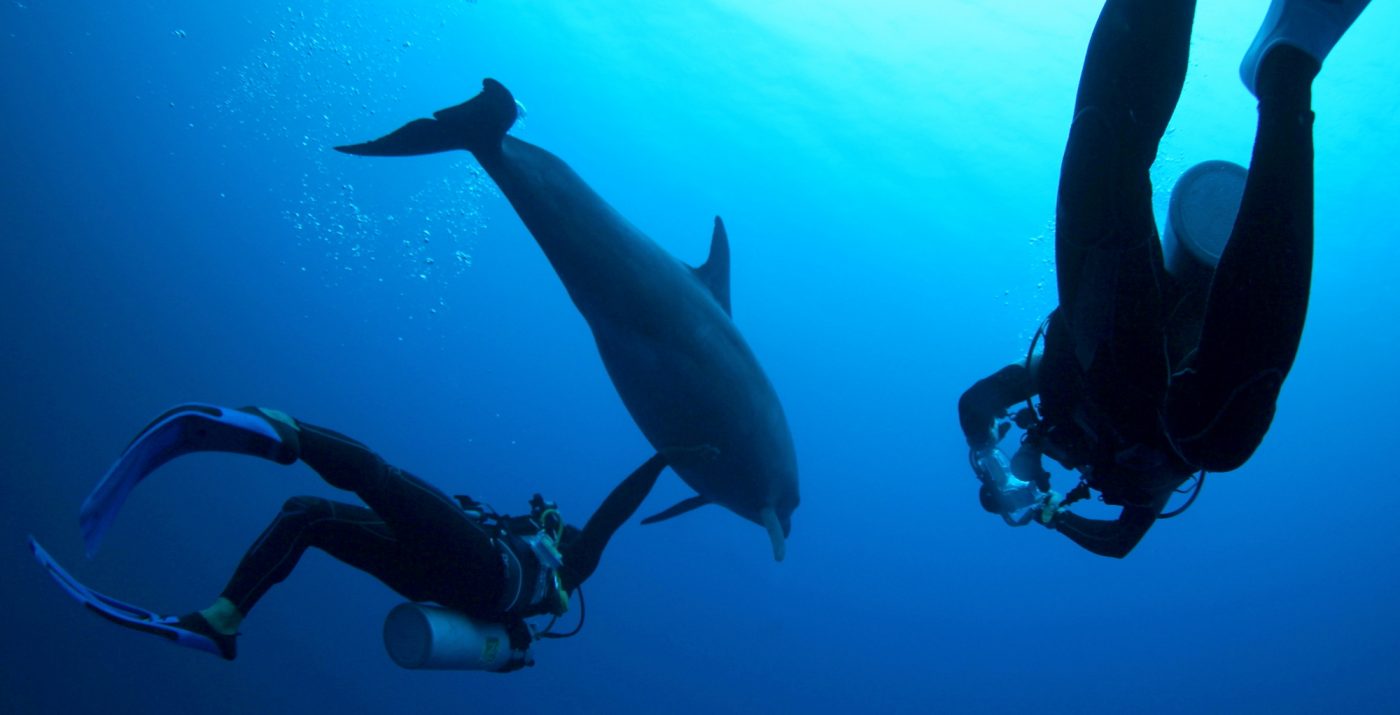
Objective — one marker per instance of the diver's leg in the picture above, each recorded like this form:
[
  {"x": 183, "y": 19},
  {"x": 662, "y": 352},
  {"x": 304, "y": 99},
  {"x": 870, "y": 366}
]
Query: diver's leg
[
  {"x": 1108, "y": 258},
  {"x": 360, "y": 538},
  {"x": 352, "y": 534},
  {"x": 405, "y": 501},
  {"x": 1136, "y": 64},
  {"x": 466, "y": 566},
  {"x": 1223, "y": 404}
]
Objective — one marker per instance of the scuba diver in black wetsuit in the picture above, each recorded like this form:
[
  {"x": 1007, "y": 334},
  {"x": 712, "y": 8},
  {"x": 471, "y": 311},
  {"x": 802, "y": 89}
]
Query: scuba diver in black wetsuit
[
  {"x": 1149, "y": 376},
  {"x": 491, "y": 572}
]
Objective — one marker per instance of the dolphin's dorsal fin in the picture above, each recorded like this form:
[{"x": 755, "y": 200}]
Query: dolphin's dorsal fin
[
  {"x": 690, "y": 504},
  {"x": 715, "y": 273}
]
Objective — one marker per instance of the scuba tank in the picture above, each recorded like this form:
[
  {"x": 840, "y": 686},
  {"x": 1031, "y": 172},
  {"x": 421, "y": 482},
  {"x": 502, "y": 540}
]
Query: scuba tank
[
  {"x": 1200, "y": 218},
  {"x": 424, "y": 637}
]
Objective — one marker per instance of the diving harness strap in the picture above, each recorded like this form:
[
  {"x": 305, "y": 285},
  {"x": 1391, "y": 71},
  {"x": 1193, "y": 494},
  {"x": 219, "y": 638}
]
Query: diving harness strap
[
  {"x": 529, "y": 548},
  {"x": 1029, "y": 419}
]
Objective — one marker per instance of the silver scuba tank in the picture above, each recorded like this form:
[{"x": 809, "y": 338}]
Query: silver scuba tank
[
  {"x": 1201, "y": 216},
  {"x": 1200, "y": 219},
  {"x": 421, "y": 636}
]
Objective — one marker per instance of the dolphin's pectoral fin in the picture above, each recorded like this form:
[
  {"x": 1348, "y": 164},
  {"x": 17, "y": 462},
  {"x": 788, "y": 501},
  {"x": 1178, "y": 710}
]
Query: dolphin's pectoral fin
[
  {"x": 775, "y": 532},
  {"x": 690, "y": 504},
  {"x": 715, "y": 273}
]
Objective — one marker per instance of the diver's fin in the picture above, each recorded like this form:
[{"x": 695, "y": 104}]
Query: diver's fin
[
  {"x": 1313, "y": 26},
  {"x": 190, "y": 631},
  {"x": 687, "y": 505},
  {"x": 775, "y": 532},
  {"x": 715, "y": 273},
  {"x": 182, "y": 430},
  {"x": 475, "y": 125}
]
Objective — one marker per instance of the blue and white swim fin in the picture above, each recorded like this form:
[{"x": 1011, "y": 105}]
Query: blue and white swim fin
[
  {"x": 190, "y": 631},
  {"x": 183, "y": 430}
]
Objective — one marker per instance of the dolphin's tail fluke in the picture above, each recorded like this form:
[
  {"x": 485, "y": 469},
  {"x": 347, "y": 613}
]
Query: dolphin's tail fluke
[{"x": 476, "y": 125}]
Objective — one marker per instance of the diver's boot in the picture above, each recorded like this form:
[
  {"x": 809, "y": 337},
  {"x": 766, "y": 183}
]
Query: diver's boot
[
  {"x": 195, "y": 626},
  {"x": 288, "y": 449},
  {"x": 1313, "y": 26},
  {"x": 477, "y": 125},
  {"x": 179, "y": 431}
]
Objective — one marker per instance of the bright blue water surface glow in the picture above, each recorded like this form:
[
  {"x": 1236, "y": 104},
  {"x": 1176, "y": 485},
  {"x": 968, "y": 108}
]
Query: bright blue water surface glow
[{"x": 176, "y": 228}]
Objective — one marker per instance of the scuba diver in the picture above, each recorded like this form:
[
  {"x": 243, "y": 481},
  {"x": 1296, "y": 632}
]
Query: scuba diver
[
  {"x": 1159, "y": 367},
  {"x": 488, "y": 572}
]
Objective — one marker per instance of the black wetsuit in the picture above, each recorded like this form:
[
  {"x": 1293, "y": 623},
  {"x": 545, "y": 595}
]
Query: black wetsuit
[
  {"x": 414, "y": 538},
  {"x": 1139, "y": 413}
]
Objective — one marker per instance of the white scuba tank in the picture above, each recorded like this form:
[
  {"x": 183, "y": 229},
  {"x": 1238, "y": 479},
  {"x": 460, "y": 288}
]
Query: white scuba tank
[{"x": 420, "y": 636}]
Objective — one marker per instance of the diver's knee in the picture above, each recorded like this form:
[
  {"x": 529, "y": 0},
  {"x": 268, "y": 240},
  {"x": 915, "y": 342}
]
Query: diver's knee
[
  {"x": 1091, "y": 120},
  {"x": 342, "y": 462},
  {"x": 304, "y": 509},
  {"x": 1110, "y": 140},
  {"x": 1098, "y": 131},
  {"x": 1220, "y": 432}
]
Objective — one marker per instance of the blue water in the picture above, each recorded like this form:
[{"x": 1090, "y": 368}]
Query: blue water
[{"x": 175, "y": 228}]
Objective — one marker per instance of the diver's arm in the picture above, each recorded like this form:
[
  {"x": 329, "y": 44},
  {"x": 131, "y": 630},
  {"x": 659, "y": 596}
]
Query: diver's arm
[
  {"x": 1115, "y": 538},
  {"x": 1107, "y": 538},
  {"x": 582, "y": 556},
  {"x": 989, "y": 398}
]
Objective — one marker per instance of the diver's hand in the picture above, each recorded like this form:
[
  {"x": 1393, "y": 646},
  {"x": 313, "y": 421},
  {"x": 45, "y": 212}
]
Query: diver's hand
[
  {"x": 983, "y": 425},
  {"x": 1049, "y": 508},
  {"x": 988, "y": 437}
]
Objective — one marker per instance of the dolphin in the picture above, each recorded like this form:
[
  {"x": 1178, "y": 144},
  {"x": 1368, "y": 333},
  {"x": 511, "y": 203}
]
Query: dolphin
[{"x": 664, "y": 329}]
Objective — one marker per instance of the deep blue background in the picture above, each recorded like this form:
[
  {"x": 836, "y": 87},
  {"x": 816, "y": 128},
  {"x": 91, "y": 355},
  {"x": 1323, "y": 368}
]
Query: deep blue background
[{"x": 175, "y": 228}]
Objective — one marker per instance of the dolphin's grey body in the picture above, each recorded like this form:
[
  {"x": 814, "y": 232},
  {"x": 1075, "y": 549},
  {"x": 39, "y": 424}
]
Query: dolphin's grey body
[{"x": 663, "y": 329}]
